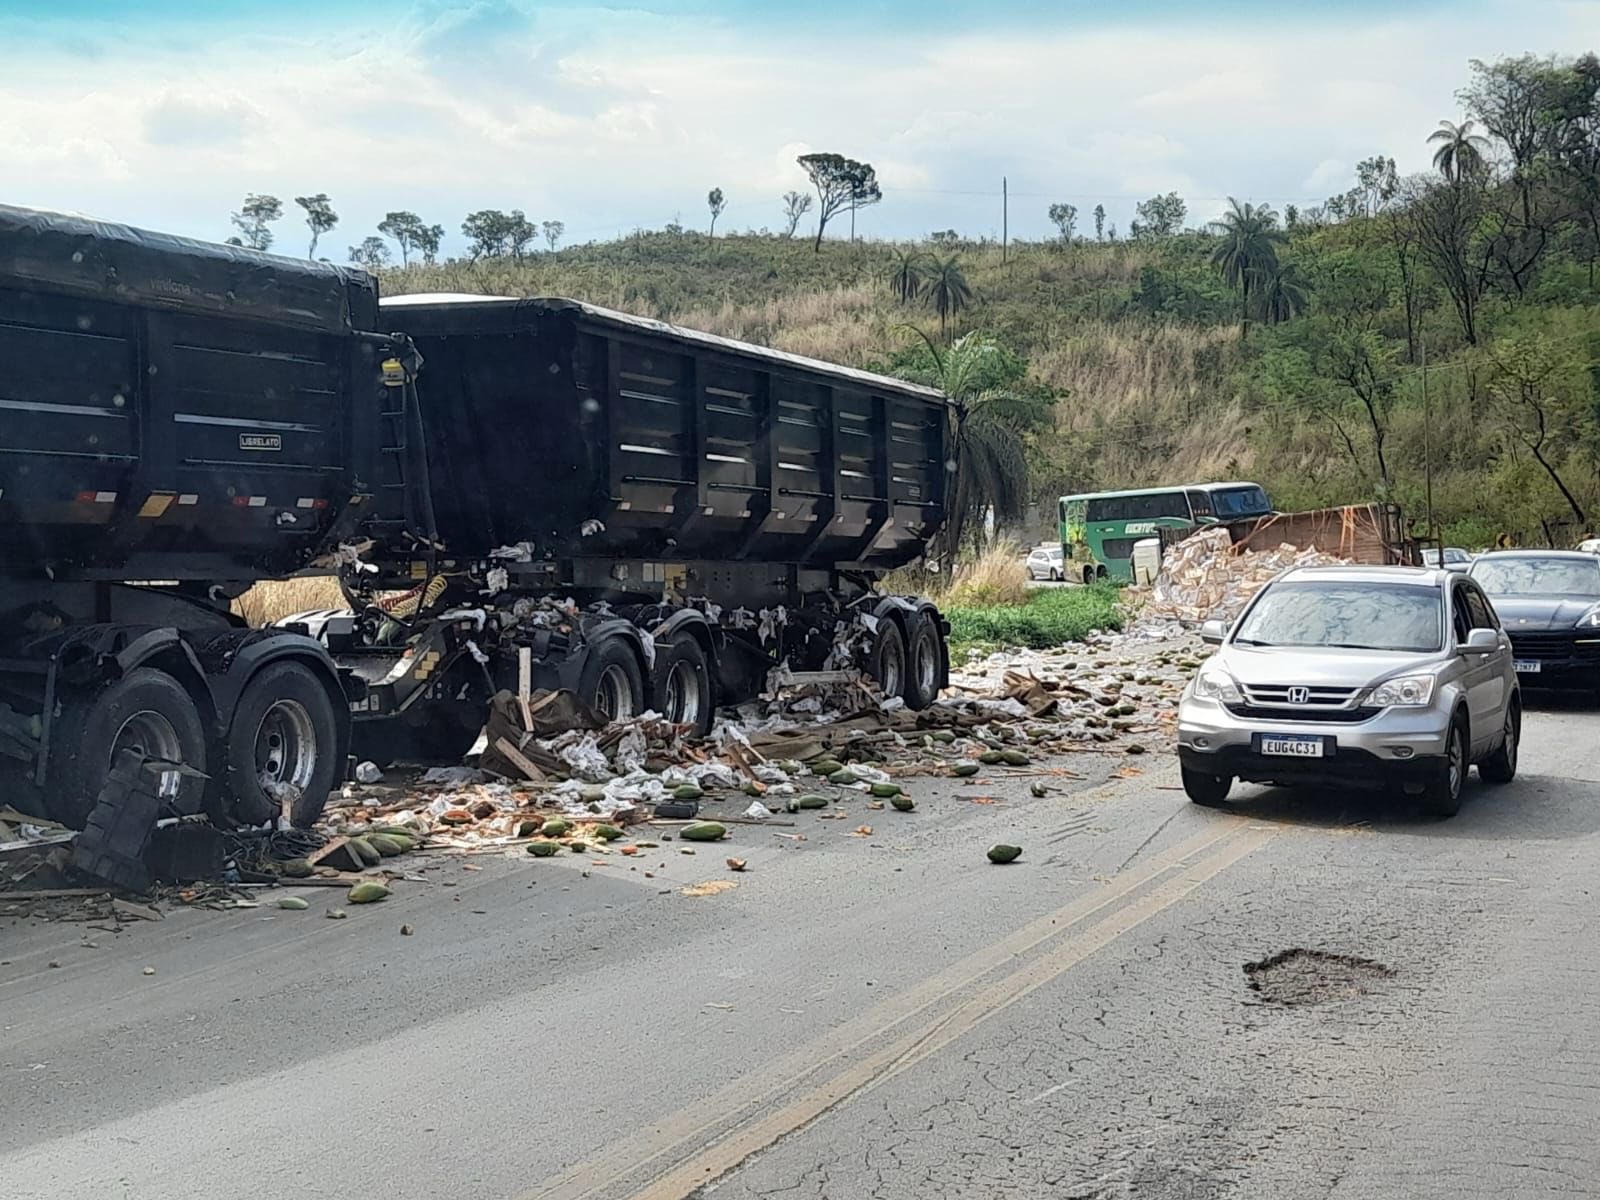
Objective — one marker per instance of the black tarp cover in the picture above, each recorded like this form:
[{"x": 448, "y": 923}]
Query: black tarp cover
[{"x": 97, "y": 259}]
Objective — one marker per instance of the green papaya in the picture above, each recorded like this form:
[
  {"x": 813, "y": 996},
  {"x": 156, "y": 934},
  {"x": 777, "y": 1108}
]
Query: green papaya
[
  {"x": 365, "y": 851},
  {"x": 702, "y": 831},
  {"x": 368, "y": 891},
  {"x": 943, "y": 735},
  {"x": 990, "y": 758},
  {"x": 543, "y": 849},
  {"x": 964, "y": 770},
  {"x": 295, "y": 868},
  {"x": 384, "y": 844},
  {"x": 687, "y": 791},
  {"x": 811, "y": 802},
  {"x": 843, "y": 777},
  {"x": 578, "y": 846},
  {"x": 902, "y": 803},
  {"x": 885, "y": 791},
  {"x": 294, "y": 903},
  {"x": 1014, "y": 758},
  {"x": 556, "y": 827},
  {"x": 607, "y": 833},
  {"x": 826, "y": 766},
  {"x": 1002, "y": 853}
]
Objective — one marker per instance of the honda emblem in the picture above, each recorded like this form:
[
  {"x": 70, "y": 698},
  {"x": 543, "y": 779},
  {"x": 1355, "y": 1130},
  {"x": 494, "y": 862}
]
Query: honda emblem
[{"x": 1299, "y": 695}]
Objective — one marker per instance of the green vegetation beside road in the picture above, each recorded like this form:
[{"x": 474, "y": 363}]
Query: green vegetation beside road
[{"x": 1047, "y": 617}]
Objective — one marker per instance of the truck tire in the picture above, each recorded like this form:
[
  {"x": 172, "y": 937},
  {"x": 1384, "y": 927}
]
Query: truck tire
[
  {"x": 924, "y": 662},
  {"x": 147, "y": 711},
  {"x": 683, "y": 684},
  {"x": 1441, "y": 793},
  {"x": 611, "y": 681},
  {"x": 888, "y": 662},
  {"x": 285, "y": 732}
]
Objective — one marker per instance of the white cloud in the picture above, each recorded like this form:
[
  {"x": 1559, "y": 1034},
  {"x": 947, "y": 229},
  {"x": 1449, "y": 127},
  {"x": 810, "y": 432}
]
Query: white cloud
[
  {"x": 628, "y": 119},
  {"x": 1328, "y": 174}
]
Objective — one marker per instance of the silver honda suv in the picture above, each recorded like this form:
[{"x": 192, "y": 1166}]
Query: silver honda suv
[{"x": 1371, "y": 676}]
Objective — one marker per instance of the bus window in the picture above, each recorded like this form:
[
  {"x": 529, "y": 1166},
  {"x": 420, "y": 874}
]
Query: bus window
[
  {"x": 1142, "y": 506},
  {"x": 1200, "y": 503}
]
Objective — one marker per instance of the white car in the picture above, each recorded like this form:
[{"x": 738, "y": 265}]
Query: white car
[
  {"x": 1451, "y": 558},
  {"x": 1589, "y": 546},
  {"x": 1045, "y": 563}
]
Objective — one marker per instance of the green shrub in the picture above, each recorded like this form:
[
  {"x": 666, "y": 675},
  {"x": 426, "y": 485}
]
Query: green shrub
[{"x": 1050, "y": 617}]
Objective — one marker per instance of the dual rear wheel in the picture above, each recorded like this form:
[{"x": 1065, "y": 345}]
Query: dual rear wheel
[{"x": 280, "y": 754}]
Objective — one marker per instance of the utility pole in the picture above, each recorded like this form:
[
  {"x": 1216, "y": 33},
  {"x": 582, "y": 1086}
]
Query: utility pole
[
  {"x": 1005, "y": 218},
  {"x": 1427, "y": 443}
]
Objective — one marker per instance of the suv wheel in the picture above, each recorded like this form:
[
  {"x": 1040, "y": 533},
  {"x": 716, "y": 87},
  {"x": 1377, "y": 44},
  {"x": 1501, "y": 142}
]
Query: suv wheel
[
  {"x": 1441, "y": 795},
  {"x": 1205, "y": 788},
  {"x": 1501, "y": 766}
]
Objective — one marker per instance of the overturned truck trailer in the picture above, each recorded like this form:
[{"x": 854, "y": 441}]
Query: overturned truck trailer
[{"x": 512, "y": 494}]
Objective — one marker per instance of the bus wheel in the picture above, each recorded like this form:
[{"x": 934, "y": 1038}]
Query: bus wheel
[
  {"x": 1101, "y": 574},
  {"x": 1088, "y": 576}
]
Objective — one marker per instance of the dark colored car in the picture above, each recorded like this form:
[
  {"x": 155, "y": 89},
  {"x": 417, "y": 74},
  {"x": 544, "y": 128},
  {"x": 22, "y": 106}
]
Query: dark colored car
[{"x": 1549, "y": 603}]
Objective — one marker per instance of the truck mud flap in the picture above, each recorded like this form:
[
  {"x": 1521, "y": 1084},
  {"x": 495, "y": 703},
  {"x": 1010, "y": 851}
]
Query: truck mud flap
[{"x": 112, "y": 844}]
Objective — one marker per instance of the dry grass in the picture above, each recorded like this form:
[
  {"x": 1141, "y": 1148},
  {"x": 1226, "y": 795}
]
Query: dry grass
[
  {"x": 272, "y": 601},
  {"x": 998, "y": 576}
]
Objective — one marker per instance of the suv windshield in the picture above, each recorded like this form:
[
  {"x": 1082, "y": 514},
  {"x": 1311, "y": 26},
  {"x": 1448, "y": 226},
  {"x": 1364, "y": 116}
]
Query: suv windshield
[
  {"x": 1346, "y": 614},
  {"x": 1534, "y": 575}
]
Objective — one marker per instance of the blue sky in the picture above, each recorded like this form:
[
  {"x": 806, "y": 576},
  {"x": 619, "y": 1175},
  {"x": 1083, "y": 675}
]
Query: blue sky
[{"x": 612, "y": 117}]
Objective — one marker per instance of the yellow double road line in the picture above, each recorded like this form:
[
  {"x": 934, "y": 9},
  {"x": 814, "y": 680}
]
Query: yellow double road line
[{"x": 685, "y": 1148}]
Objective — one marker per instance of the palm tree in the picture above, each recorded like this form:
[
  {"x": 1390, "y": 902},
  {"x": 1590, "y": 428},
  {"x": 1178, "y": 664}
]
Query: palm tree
[
  {"x": 947, "y": 289},
  {"x": 1461, "y": 152},
  {"x": 905, "y": 275},
  {"x": 1282, "y": 294},
  {"x": 1248, "y": 249},
  {"x": 989, "y": 413}
]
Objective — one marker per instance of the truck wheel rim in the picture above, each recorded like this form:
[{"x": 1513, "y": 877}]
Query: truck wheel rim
[
  {"x": 286, "y": 746},
  {"x": 614, "y": 696},
  {"x": 890, "y": 669},
  {"x": 683, "y": 694},
  {"x": 151, "y": 734},
  {"x": 926, "y": 666}
]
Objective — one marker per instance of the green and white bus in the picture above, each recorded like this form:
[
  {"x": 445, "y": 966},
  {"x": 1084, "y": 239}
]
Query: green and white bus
[{"x": 1100, "y": 529}]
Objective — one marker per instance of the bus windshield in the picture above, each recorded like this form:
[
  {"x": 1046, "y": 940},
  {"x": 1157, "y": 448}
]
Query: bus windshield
[{"x": 1231, "y": 503}]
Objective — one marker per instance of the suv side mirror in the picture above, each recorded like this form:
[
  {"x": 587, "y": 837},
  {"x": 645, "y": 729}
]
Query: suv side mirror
[
  {"x": 1212, "y": 632},
  {"x": 1481, "y": 641}
]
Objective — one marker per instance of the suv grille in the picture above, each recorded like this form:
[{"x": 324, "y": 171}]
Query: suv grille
[
  {"x": 1278, "y": 693},
  {"x": 1271, "y": 701},
  {"x": 1560, "y": 644},
  {"x": 1341, "y": 716}
]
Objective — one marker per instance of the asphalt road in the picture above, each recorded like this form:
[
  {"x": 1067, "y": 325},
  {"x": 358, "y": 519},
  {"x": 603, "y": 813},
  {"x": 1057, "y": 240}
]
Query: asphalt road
[{"x": 878, "y": 1016}]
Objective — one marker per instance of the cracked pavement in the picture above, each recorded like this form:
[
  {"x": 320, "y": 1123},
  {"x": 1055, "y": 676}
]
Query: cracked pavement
[{"x": 869, "y": 1017}]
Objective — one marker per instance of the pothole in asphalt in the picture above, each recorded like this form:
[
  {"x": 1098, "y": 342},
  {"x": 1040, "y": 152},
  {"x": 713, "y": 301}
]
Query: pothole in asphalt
[{"x": 1302, "y": 976}]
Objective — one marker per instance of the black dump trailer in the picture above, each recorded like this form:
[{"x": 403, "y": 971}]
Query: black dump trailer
[
  {"x": 511, "y": 493},
  {"x": 653, "y": 517},
  {"x": 177, "y": 421}
]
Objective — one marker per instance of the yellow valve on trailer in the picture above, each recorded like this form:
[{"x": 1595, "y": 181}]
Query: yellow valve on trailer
[{"x": 394, "y": 373}]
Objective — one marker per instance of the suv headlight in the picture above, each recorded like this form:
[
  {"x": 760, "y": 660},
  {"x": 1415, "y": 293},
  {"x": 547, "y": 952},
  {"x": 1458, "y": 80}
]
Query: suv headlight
[
  {"x": 1216, "y": 684},
  {"x": 1408, "y": 691},
  {"x": 1590, "y": 619}
]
